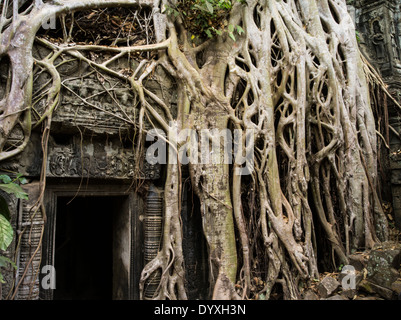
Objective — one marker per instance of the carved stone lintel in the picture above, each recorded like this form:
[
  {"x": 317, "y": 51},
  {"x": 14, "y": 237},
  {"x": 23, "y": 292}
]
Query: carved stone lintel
[{"x": 97, "y": 160}]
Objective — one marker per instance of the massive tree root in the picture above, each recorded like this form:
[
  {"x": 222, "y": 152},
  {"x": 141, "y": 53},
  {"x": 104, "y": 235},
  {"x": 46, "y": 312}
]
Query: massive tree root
[{"x": 293, "y": 83}]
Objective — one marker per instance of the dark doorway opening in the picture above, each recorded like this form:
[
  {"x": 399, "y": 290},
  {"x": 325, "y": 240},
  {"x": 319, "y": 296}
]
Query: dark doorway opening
[
  {"x": 90, "y": 244},
  {"x": 194, "y": 246}
]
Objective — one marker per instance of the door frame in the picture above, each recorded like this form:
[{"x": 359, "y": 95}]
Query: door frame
[{"x": 69, "y": 187}]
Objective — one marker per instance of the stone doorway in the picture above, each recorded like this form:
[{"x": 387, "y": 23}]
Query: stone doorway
[
  {"x": 87, "y": 239},
  {"x": 93, "y": 239}
]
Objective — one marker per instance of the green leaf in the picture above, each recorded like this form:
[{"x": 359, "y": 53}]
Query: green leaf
[
  {"x": 218, "y": 32},
  {"x": 231, "y": 28},
  {"x": 208, "y": 33},
  {"x": 240, "y": 30},
  {"x": 4, "y": 261},
  {"x": 200, "y": 7},
  {"x": 14, "y": 189},
  {"x": 209, "y": 7},
  {"x": 358, "y": 38},
  {"x": 4, "y": 208},
  {"x": 226, "y": 4},
  {"x": 6, "y": 233},
  {"x": 21, "y": 179},
  {"x": 232, "y": 36},
  {"x": 5, "y": 178}
]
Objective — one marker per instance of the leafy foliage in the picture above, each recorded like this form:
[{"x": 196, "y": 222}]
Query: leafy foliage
[
  {"x": 11, "y": 186},
  {"x": 6, "y": 233},
  {"x": 206, "y": 18},
  {"x": 3, "y": 263}
]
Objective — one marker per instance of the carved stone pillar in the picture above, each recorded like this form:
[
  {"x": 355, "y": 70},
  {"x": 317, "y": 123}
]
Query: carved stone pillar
[
  {"x": 29, "y": 250},
  {"x": 152, "y": 237}
]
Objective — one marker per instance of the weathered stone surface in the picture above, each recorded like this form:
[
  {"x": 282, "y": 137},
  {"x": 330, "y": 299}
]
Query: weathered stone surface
[
  {"x": 310, "y": 295},
  {"x": 386, "y": 277},
  {"x": 358, "y": 261},
  {"x": 373, "y": 288},
  {"x": 349, "y": 294},
  {"x": 390, "y": 251},
  {"x": 368, "y": 298},
  {"x": 327, "y": 286},
  {"x": 375, "y": 272},
  {"x": 96, "y": 158},
  {"x": 396, "y": 287},
  {"x": 382, "y": 263},
  {"x": 335, "y": 297}
]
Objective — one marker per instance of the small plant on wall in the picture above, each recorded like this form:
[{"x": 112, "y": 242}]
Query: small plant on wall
[{"x": 206, "y": 18}]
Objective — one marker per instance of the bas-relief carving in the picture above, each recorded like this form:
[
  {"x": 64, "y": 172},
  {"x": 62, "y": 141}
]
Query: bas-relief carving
[
  {"x": 107, "y": 108},
  {"x": 108, "y": 111},
  {"x": 102, "y": 109},
  {"x": 100, "y": 158},
  {"x": 378, "y": 39},
  {"x": 96, "y": 160},
  {"x": 395, "y": 47},
  {"x": 378, "y": 24},
  {"x": 371, "y": 24}
]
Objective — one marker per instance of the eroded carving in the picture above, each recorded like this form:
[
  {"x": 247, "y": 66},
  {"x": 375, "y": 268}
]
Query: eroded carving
[
  {"x": 378, "y": 39},
  {"x": 97, "y": 160},
  {"x": 394, "y": 45},
  {"x": 99, "y": 107}
]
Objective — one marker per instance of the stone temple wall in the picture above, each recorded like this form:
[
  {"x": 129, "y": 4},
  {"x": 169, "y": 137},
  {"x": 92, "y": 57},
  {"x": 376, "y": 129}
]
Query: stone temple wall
[{"x": 91, "y": 144}]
